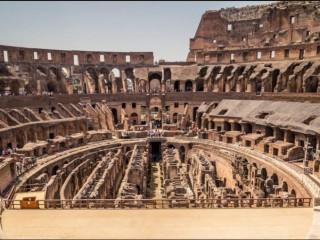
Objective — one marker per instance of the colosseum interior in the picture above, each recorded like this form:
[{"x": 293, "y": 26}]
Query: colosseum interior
[{"x": 86, "y": 136}]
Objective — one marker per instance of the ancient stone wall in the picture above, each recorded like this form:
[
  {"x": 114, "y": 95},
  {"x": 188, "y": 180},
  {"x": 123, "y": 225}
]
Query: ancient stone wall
[{"x": 276, "y": 31}]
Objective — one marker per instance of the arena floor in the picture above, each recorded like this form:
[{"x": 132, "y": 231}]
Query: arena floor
[{"x": 160, "y": 223}]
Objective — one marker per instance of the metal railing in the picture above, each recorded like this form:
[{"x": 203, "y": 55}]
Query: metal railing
[{"x": 161, "y": 203}]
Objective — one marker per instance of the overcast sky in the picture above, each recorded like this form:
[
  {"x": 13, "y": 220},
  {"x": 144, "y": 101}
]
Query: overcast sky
[{"x": 160, "y": 27}]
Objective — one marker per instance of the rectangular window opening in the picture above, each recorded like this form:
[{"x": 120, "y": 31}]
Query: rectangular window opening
[
  {"x": 127, "y": 58},
  {"x": 259, "y": 54},
  {"x": 75, "y": 60},
  {"x": 35, "y": 55},
  {"x": 5, "y": 56},
  {"x": 272, "y": 54},
  {"x": 286, "y": 53},
  {"x": 101, "y": 58}
]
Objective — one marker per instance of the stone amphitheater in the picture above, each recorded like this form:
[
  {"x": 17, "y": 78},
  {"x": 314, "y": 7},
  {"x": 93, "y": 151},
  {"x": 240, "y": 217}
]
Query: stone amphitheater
[{"x": 113, "y": 145}]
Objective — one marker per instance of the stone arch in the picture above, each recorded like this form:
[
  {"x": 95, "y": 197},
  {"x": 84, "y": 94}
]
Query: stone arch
[
  {"x": 275, "y": 179},
  {"x": 155, "y": 81},
  {"x": 200, "y": 85},
  {"x": 293, "y": 192},
  {"x": 77, "y": 87},
  {"x": 264, "y": 174},
  {"x": 274, "y": 78},
  {"x": 227, "y": 126},
  {"x": 40, "y": 70},
  {"x": 206, "y": 123},
  {"x": 269, "y": 131},
  {"x": 134, "y": 118},
  {"x": 20, "y": 138},
  {"x": 92, "y": 78},
  {"x": 104, "y": 80},
  {"x": 316, "y": 165},
  {"x": 176, "y": 86},
  {"x": 115, "y": 115},
  {"x": 248, "y": 128},
  {"x": 171, "y": 146},
  {"x": 284, "y": 186},
  {"x": 194, "y": 114},
  {"x": 311, "y": 84},
  {"x": 129, "y": 79},
  {"x": 182, "y": 152},
  {"x": 188, "y": 86},
  {"x": 115, "y": 78},
  {"x": 142, "y": 85},
  {"x": 175, "y": 117},
  {"x": 237, "y": 127},
  {"x": 54, "y": 170}
]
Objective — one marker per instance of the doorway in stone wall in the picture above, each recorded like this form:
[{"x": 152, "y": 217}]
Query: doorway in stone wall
[{"x": 155, "y": 151}]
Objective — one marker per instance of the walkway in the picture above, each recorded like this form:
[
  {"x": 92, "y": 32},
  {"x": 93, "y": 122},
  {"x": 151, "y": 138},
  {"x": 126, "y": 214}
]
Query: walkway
[{"x": 158, "y": 224}]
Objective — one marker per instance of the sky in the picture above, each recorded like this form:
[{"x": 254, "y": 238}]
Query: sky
[{"x": 162, "y": 27}]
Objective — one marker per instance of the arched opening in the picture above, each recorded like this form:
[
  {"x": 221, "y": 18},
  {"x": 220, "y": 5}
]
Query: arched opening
[
  {"x": 175, "y": 117},
  {"x": 258, "y": 85},
  {"x": 77, "y": 88},
  {"x": 155, "y": 82},
  {"x": 269, "y": 131},
  {"x": 134, "y": 118},
  {"x": 291, "y": 136},
  {"x": 293, "y": 192},
  {"x": 248, "y": 128},
  {"x": 311, "y": 84},
  {"x": 54, "y": 170},
  {"x": 142, "y": 85},
  {"x": 182, "y": 153},
  {"x": 199, "y": 120},
  {"x": 274, "y": 79},
  {"x": 316, "y": 166},
  {"x": 138, "y": 189},
  {"x": 20, "y": 139},
  {"x": 237, "y": 127},
  {"x": 130, "y": 85},
  {"x": 284, "y": 186},
  {"x": 264, "y": 174},
  {"x": 176, "y": 86},
  {"x": 92, "y": 79},
  {"x": 206, "y": 124},
  {"x": 313, "y": 142},
  {"x": 275, "y": 179},
  {"x": 188, "y": 86},
  {"x": 279, "y": 134},
  {"x": 199, "y": 85},
  {"x": 104, "y": 80},
  {"x": 227, "y": 126},
  {"x": 166, "y": 74},
  {"x": 156, "y": 112},
  {"x": 115, "y": 115},
  {"x": 194, "y": 114},
  {"x": 171, "y": 146},
  {"x": 115, "y": 79},
  {"x": 129, "y": 79}
]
